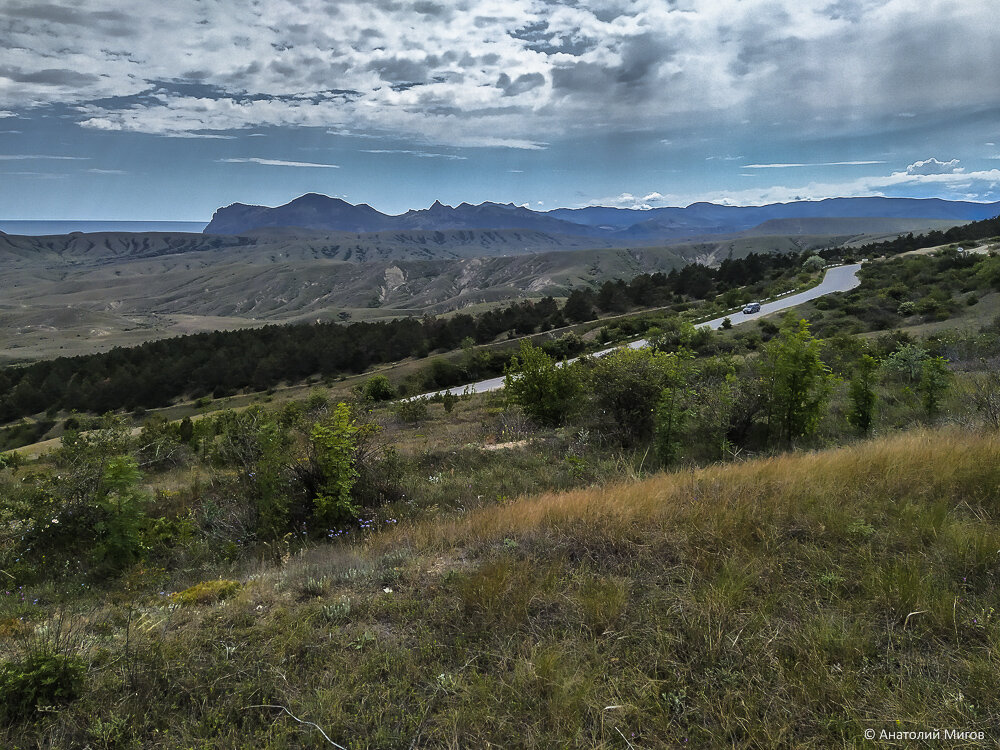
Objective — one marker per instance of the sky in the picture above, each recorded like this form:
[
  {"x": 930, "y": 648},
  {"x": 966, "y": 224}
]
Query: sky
[{"x": 131, "y": 110}]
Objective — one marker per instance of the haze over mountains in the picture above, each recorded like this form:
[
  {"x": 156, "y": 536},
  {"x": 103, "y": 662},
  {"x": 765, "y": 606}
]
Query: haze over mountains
[{"x": 617, "y": 226}]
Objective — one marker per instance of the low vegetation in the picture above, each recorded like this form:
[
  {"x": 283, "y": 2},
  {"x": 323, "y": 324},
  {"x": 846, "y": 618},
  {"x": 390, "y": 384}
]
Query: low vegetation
[
  {"x": 792, "y": 601},
  {"x": 767, "y": 537}
]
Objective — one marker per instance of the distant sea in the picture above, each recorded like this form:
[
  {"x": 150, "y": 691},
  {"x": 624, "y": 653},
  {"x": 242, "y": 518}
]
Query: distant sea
[{"x": 36, "y": 228}]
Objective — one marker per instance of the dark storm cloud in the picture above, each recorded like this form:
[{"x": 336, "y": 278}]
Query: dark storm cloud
[
  {"x": 521, "y": 84},
  {"x": 399, "y": 69},
  {"x": 49, "y": 77},
  {"x": 426, "y": 8}
]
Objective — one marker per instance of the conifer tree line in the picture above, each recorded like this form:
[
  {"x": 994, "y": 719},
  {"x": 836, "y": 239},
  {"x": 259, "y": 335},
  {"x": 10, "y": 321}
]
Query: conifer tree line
[{"x": 221, "y": 363}]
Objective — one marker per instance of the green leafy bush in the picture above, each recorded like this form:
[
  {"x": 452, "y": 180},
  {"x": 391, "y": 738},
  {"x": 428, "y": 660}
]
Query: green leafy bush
[
  {"x": 378, "y": 388},
  {"x": 42, "y": 678},
  {"x": 547, "y": 392},
  {"x": 411, "y": 411},
  {"x": 334, "y": 443},
  {"x": 795, "y": 381},
  {"x": 625, "y": 387}
]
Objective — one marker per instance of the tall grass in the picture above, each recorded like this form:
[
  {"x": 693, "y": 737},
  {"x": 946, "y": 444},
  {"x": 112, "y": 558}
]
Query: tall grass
[
  {"x": 793, "y": 601},
  {"x": 876, "y": 480}
]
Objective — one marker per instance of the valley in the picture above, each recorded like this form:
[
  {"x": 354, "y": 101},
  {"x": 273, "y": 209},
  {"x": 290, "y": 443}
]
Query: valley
[{"x": 62, "y": 295}]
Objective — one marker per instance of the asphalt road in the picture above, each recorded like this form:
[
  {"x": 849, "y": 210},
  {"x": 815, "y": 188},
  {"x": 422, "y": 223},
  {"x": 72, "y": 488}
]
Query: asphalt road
[{"x": 838, "y": 279}]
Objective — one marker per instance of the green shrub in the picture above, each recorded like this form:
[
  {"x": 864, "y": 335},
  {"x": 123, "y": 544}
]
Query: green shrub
[
  {"x": 42, "y": 679},
  {"x": 378, "y": 388},
  {"x": 412, "y": 411},
  {"x": 546, "y": 391},
  {"x": 862, "y": 393},
  {"x": 795, "y": 381},
  {"x": 626, "y": 386},
  {"x": 934, "y": 380},
  {"x": 334, "y": 443}
]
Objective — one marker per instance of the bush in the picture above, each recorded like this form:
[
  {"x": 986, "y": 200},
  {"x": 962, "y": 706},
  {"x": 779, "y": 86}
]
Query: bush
[
  {"x": 795, "y": 380},
  {"x": 412, "y": 411},
  {"x": 545, "y": 391},
  {"x": 43, "y": 678},
  {"x": 813, "y": 264},
  {"x": 378, "y": 388},
  {"x": 626, "y": 386},
  {"x": 334, "y": 443}
]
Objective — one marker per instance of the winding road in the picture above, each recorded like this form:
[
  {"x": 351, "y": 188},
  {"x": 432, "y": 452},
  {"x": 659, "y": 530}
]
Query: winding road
[{"x": 836, "y": 279}]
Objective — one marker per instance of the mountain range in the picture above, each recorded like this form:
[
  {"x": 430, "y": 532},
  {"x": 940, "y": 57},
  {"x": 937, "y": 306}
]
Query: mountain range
[{"x": 615, "y": 226}]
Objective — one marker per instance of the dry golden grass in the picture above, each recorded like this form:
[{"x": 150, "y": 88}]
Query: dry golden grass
[{"x": 920, "y": 463}]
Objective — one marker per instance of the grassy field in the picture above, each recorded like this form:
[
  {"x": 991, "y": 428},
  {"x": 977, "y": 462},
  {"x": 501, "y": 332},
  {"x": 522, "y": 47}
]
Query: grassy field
[{"x": 793, "y": 601}]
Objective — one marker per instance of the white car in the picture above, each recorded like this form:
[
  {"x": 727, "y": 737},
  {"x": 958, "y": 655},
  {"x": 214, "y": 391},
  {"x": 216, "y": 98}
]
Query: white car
[{"x": 752, "y": 308}]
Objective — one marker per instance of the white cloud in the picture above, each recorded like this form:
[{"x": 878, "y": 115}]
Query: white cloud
[
  {"x": 976, "y": 186},
  {"x": 27, "y": 157},
  {"x": 279, "y": 163},
  {"x": 497, "y": 73},
  {"x": 933, "y": 166},
  {"x": 413, "y": 152},
  {"x": 211, "y": 136},
  {"x": 628, "y": 200},
  {"x": 811, "y": 164}
]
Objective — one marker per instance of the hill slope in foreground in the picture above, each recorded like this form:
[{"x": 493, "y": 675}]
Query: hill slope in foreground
[{"x": 794, "y": 601}]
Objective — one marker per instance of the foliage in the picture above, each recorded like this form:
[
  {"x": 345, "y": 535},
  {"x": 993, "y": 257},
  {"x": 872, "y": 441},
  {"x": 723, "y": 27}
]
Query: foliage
[
  {"x": 411, "y": 410},
  {"x": 256, "y": 444},
  {"x": 12, "y": 460},
  {"x": 547, "y": 391},
  {"x": 378, "y": 388},
  {"x": 448, "y": 401},
  {"x": 814, "y": 264},
  {"x": 908, "y": 361},
  {"x": 795, "y": 381},
  {"x": 984, "y": 393},
  {"x": 334, "y": 442},
  {"x": 674, "y": 406},
  {"x": 934, "y": 380},
  {"x": 625, "y": 388},
  {"x": 119, "y": 532},
  {"x": 862, "y": 394},
  {"x": 42, "y": 679}
]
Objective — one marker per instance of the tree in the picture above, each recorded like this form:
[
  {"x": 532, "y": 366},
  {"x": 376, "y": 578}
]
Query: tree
[
  {"x": 626, "y": 386},
  {"x": 673, "y": 408},
  {"x": 908, "y": 360},
  {"x": 378, "y": 388},
  {"x": 796, "y": 382},
  {"x": 863, "y": 397},
  {"x": 934, "y": 380},
  {"x": 579, "y": 306},
  {"x": 334, "y": 443},
  {"x": 813, "y": 264},
  {"x": 547, "y": 391}
]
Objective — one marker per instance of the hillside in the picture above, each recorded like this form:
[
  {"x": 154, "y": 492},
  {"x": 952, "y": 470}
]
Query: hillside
[
  {"x": 794, "y": 601},
  {"x": 81, "y": 293}
]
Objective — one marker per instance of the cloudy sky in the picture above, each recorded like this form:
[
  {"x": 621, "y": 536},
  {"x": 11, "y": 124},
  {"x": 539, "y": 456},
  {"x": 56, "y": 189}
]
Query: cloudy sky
[{"x": 126, "y": 109}]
